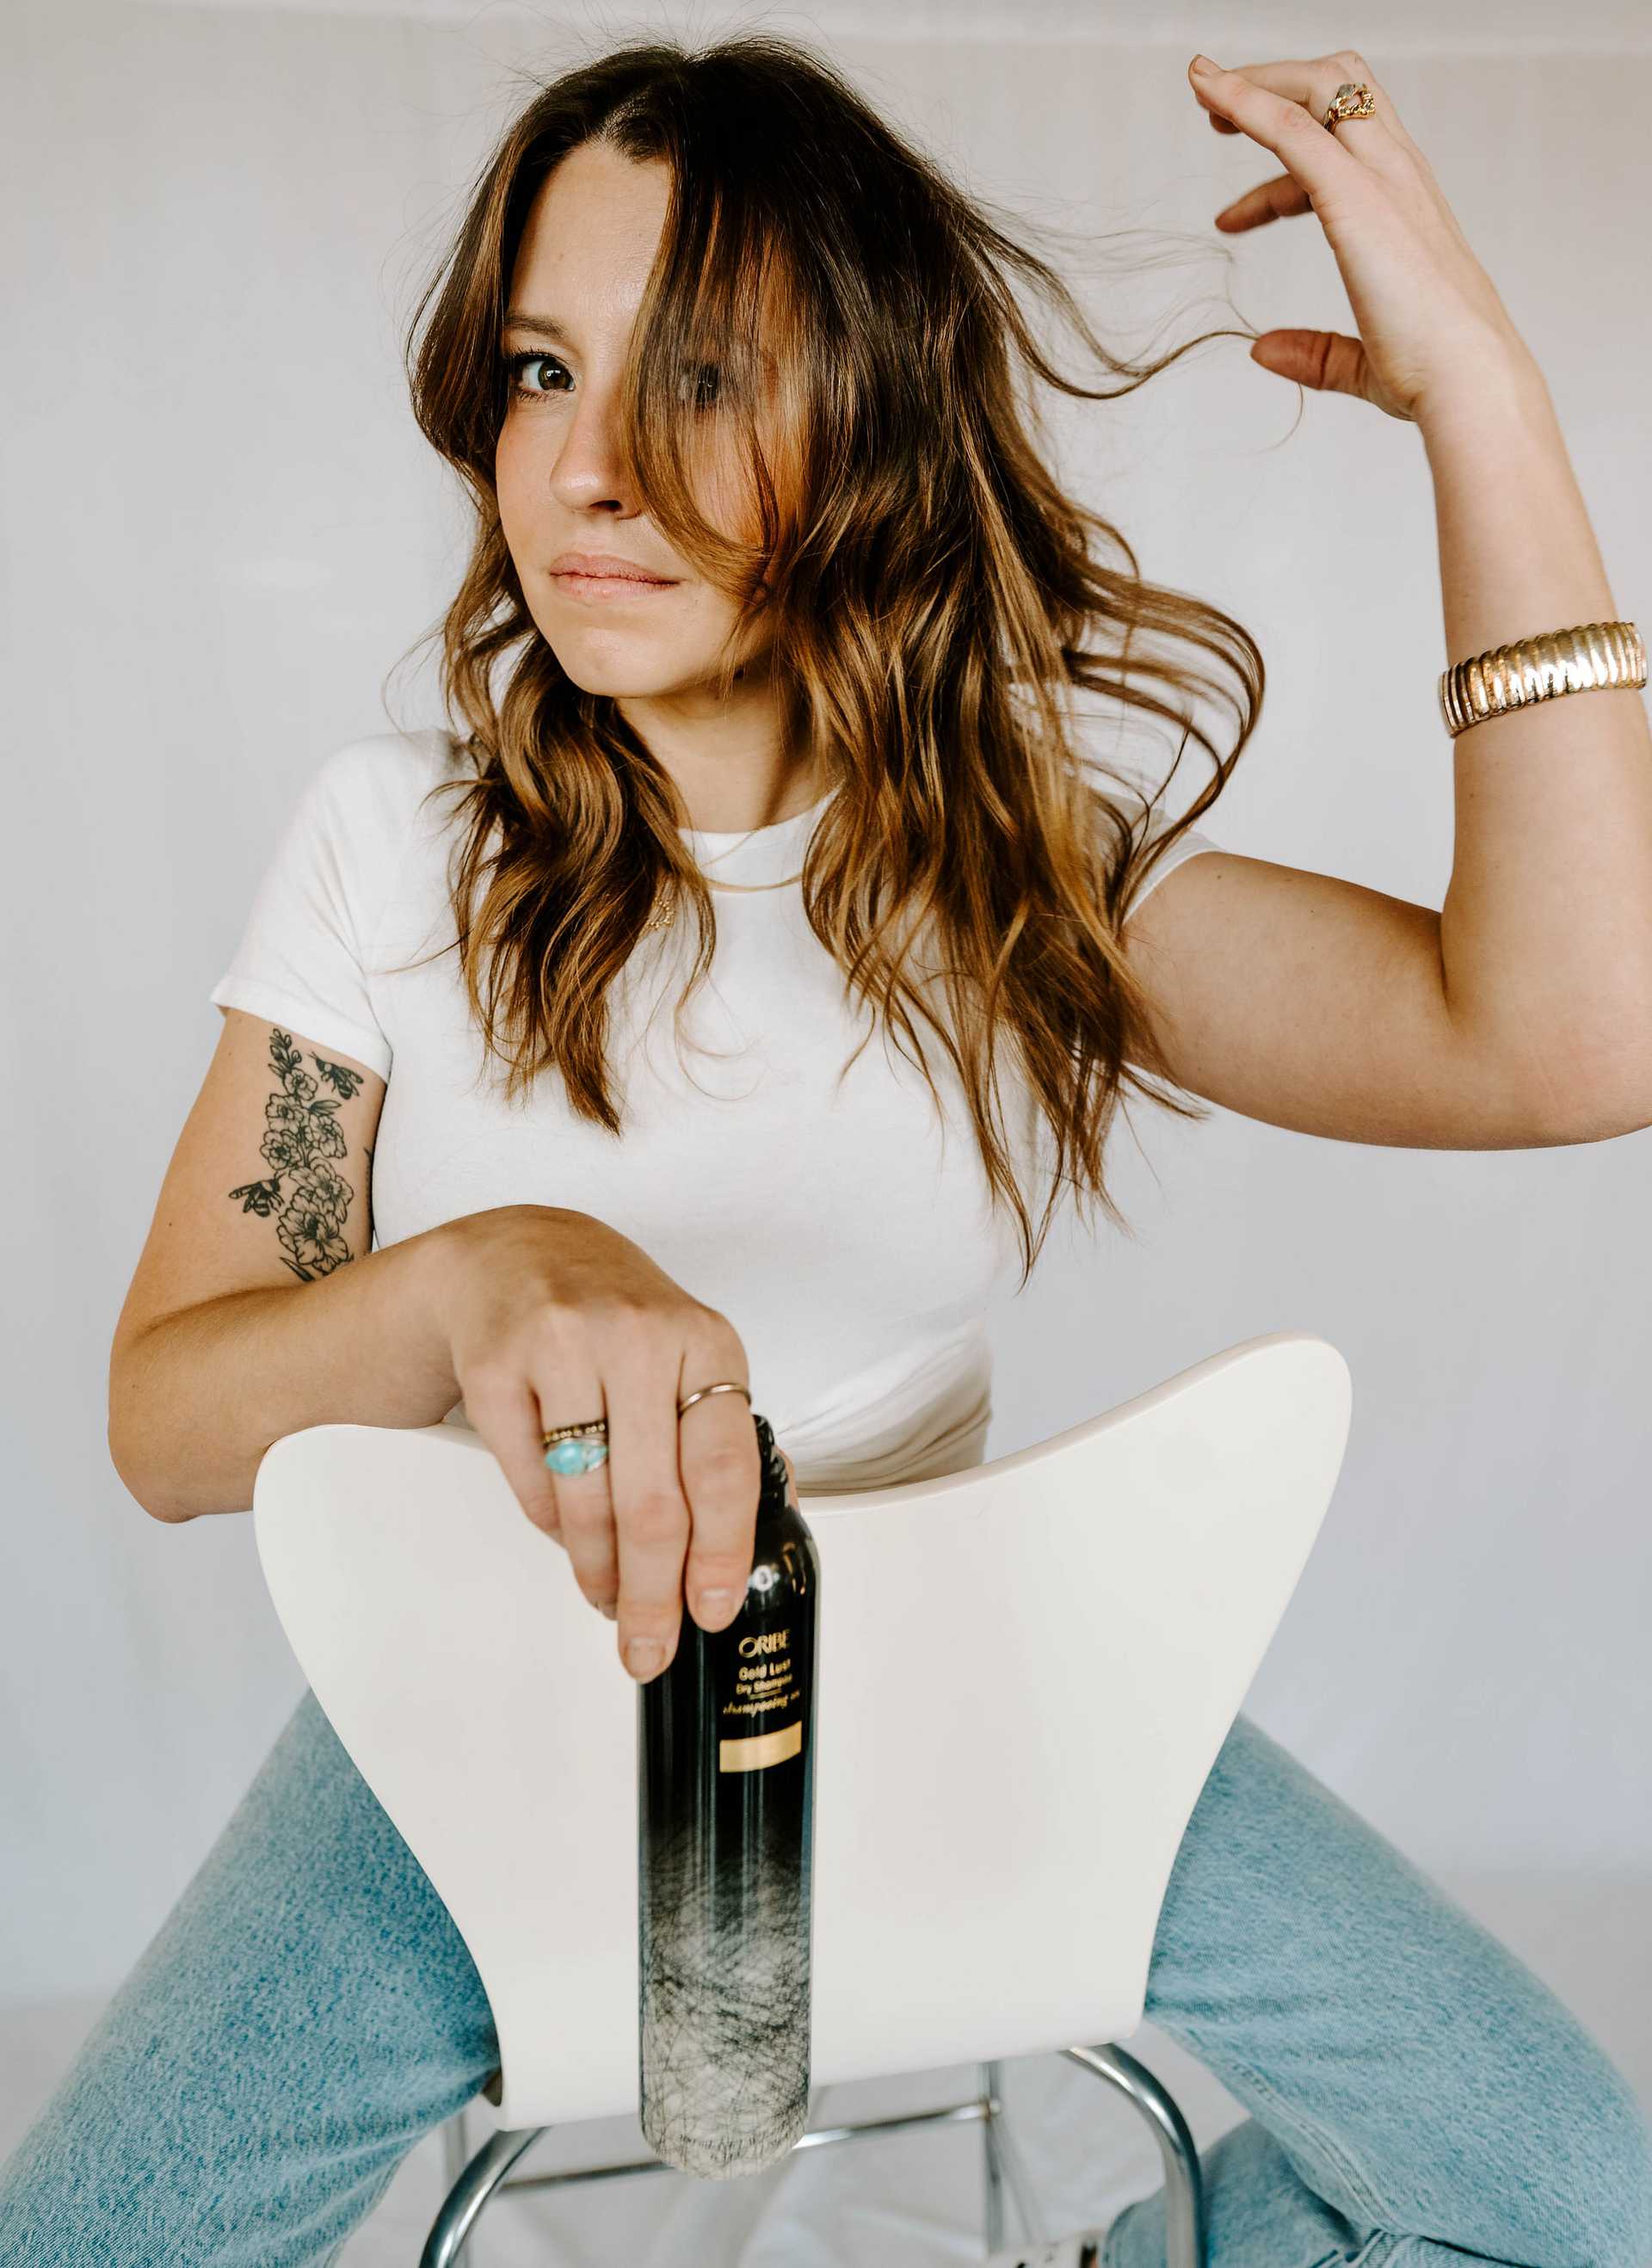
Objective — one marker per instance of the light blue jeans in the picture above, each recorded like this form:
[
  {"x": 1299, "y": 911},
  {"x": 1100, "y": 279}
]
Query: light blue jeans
[{"x": 307, "y": 2011}]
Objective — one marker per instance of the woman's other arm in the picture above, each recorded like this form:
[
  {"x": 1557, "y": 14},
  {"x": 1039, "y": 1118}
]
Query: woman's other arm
[{"x": 1520, "y": 1014}]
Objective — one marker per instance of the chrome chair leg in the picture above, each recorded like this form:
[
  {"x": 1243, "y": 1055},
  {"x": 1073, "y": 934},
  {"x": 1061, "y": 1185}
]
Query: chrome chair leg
[
  {"x": 464, "y": 2203},
  {"x": 992, "y": 2165},
  {"x": 1185, "y": 2235},
  {"x": 455, "y": 2147},
  {"x": 1003, "y": 2153},
  {"x": 455, "y": 2157}
]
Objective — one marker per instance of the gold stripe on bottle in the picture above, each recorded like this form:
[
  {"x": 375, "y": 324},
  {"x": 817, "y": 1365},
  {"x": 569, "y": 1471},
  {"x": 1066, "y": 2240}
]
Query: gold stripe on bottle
[{"x": 760, "y": 1748}]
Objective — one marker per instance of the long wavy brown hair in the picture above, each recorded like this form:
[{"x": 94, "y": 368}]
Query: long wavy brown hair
[{"x": 932, "y": 599}]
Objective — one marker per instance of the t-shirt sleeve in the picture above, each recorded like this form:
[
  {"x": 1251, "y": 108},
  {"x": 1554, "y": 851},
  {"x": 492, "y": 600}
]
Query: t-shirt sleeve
[
  {"x": 1186, "y": 845},
  {"x": 304, "y": 957},
  {"x": 1137, "y": 795},
  {"x": 1129, "y": 791}
]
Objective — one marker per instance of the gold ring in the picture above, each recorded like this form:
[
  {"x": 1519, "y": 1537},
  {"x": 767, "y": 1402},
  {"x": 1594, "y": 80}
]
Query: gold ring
[
  {"x": 1353, "y": 99},
  {"x": 724, "y": 1385}
]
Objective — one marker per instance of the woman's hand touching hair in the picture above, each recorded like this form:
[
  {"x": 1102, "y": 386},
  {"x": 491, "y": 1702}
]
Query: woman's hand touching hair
[{"x": 552, "y": 1318}]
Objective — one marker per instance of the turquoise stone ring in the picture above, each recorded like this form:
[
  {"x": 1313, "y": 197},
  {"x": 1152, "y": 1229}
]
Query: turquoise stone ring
[{"x": 576, "y": 1456}]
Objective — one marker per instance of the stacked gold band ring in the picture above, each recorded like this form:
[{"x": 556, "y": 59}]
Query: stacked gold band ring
[{"x": 582, "y": 1448}]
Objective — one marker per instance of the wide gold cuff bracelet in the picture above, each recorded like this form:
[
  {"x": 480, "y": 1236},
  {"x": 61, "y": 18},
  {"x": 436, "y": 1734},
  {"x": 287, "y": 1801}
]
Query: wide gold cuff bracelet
[{"x": 1593, "y": 656}]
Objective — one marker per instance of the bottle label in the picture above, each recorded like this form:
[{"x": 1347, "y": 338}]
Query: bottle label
[{"x": 766, "y": 1688}]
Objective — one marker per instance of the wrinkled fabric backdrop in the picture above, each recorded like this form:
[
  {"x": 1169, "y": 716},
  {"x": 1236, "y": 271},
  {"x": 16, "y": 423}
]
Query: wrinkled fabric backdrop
[{"x": 222, "y": 530}]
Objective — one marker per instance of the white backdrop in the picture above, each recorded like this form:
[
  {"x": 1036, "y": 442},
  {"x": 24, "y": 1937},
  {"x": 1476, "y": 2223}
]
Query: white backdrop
[{"x": 222, "y": 529}]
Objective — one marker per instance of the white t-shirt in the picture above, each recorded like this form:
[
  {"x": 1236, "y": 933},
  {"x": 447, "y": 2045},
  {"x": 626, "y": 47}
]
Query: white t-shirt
[{"x": 843, "y": 1231}]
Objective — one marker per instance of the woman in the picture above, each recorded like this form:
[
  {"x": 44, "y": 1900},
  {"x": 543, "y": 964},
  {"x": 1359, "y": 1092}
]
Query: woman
[{"x": 709, "y": 324}]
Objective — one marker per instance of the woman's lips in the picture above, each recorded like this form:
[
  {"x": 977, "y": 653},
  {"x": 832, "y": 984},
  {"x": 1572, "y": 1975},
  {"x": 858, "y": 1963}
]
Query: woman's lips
[{"x": 608, "y": 587}]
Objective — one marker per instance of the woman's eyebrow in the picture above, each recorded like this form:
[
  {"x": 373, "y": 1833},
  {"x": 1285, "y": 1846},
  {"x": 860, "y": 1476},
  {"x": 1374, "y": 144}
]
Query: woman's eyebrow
[{"x": 544, "y": 327}]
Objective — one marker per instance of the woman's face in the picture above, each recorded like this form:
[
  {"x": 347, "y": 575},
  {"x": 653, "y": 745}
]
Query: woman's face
[{"x": 579, "y": 276}]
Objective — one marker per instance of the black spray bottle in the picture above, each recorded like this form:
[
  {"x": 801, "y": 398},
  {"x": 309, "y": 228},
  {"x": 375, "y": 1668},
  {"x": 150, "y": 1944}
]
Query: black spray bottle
[{"x": 724, "y": 1817}]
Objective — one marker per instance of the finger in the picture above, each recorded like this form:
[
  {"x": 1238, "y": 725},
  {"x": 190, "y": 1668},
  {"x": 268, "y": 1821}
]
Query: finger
[
  {"x": 1312, "y": 84},
  {"x": 504, "y": 1410},
  {"x": 722, "y": 1476},
  {"x": 650, "y": 1513},
  {"x": 568, "y": 1390},
  {"x": 1276, "y": 199},
  {"x": 1282, "y": 106},
  {"x": 1328, "y": 361},
  {"x": 1380, "y": 139}
]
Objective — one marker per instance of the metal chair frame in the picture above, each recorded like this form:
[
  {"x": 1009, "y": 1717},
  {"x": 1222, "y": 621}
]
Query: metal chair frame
[{"x": 475, "y": 2181}]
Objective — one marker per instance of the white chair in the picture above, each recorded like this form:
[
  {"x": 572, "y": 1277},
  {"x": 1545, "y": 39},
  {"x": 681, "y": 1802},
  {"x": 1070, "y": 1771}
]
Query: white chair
[{"x": 1025, "y": 1671}]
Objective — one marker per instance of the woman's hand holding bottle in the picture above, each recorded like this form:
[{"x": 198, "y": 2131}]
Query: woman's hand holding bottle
[{"x": 553, "y": 1318}]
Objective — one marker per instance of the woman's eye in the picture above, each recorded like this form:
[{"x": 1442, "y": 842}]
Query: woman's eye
[
  {"x": 702, "y": 385},
  {"x": 517, "y": 364}
]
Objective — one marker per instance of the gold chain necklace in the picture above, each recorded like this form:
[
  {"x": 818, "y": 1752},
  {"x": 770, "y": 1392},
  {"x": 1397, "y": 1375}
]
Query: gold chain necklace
[{"x": 664, "y": 910}]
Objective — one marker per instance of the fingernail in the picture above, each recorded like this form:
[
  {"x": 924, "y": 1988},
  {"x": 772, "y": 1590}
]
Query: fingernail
[
  {"x": 715, "y": 1604},
  {"x": 1203, "y": 64},
  {"x": 644, "y": 1656}
]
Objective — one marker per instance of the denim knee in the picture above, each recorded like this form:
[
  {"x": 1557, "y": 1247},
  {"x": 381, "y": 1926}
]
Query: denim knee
[{"x": 1591, "y": 2201}]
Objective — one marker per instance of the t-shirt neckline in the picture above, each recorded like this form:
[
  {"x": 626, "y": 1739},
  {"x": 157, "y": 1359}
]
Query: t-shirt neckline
[{"x": 755, "y": 854}]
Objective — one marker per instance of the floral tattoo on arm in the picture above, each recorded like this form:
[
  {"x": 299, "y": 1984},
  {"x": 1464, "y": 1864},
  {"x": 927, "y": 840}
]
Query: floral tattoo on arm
[{"x": 306, "y": 1195}]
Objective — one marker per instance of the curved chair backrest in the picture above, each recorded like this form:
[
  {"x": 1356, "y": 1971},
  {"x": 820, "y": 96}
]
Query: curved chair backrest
[{"x": 1025, "y": 1672}]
